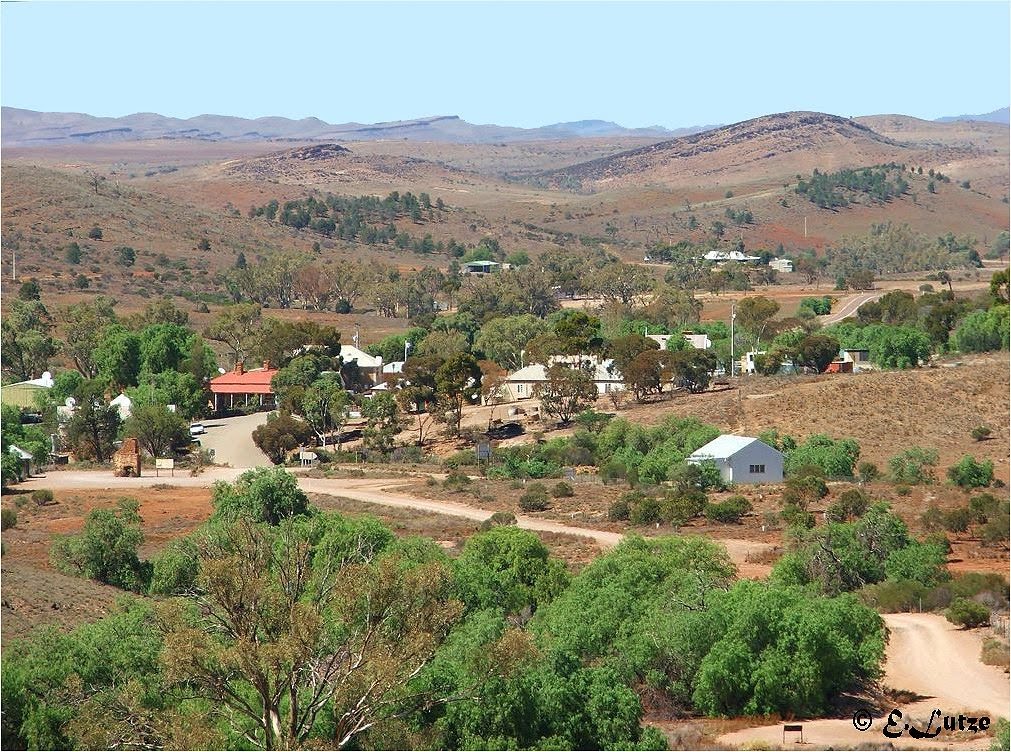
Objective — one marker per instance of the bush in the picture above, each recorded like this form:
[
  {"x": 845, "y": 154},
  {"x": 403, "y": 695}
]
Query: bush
[
  {"x": 497, "y": 519},
  {"x": 263, "y": 494},
  {"x": 995, "y": 653},
  {"x": 796, "y": 516},
  {"x": 106, "y": 549},
  {"x": 968, "y": 473},
  {"x": 534, "y": 499},
  {"x": 967, "y": 614},
  {"x": 680, "y": 508},
  {"x": 42, "y": 496},
  {"x": 562, "y": 490},
  {"x": 456, "y": 481},
  {"x": 619, "y": 510},
  {"x": 851, "y": 503},
  {"x": 279, "y": 436},
  {"x": 835, "y": 458},
  {"x": 957, "y": 520},
  {"x": 984, "y": 506},
  {"x": 867, "y": 472},
  {"x": 645, "y": 511},
  {"x": 981, "y": 433},
  {"x": 802, "y": 490},
  {"x": 95, "y": 233},
  {"x": 8, "y": 518},
  {"x": 913, "y": 466},
  {"x": 903, "y": 490},
  {"x": 730, "y": 510}
]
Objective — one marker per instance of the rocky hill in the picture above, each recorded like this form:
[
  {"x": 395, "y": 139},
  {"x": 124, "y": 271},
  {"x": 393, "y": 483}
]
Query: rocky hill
[{"x": 781, "y": 143}]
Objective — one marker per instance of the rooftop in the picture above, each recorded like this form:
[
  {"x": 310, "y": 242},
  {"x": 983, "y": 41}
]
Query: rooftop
[{"x": 723, "y": 446}]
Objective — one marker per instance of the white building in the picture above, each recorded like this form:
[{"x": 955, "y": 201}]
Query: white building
[
  {"x": 781, "y": 265},
  {"x": 124, "y": 404},
  {"x": 371, "y": 366},
  {"x": 742, "y": 459},
  {"x": 520, "y": 384},
  {"x": 698, "y": 341},
  {"x": 721, "y": 256}
]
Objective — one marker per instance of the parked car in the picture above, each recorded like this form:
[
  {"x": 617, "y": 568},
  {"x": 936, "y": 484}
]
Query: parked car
[{"x": 197, "y": 428}]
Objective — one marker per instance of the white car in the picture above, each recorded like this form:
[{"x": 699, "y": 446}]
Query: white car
[{"x": 197, "y": 428}]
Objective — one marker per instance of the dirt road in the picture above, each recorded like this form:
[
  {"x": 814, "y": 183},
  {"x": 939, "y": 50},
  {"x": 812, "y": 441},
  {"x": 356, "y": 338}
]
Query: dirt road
[
  {"x": 381, "y": 491},
  {"x": 928, "y": 656}
]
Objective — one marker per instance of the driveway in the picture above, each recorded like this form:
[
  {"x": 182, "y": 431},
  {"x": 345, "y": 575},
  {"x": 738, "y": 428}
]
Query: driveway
[
  {"x": 232, "y": 440},
  {"x": 849, "y": 307}
]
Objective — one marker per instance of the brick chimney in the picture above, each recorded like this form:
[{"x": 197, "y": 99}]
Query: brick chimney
[
  {"x": 239, "y": 368},
  {"x": 266, "y": 365}
]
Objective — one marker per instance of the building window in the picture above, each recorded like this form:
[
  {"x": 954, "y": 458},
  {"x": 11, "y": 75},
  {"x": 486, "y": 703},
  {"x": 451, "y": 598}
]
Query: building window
[
  {"x": 756, "y": 469},
  {"x": 520, "y": 389}
]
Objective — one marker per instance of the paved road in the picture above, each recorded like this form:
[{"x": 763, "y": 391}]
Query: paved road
[
  {"x": 849, "y": 306},
  {"x": 928, "y": 656},
  {"x": 232, "y": 440}
]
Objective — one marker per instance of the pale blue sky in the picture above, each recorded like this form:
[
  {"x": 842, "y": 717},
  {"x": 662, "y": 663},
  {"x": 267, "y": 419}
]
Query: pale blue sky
[{"x": 515, "y": 63}]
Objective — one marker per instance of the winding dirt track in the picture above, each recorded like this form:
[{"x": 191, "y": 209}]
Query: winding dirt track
[{"x": 928, "y": 656}]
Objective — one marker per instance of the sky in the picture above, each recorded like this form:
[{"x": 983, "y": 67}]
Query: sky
[{"x": 523, "y": 64}]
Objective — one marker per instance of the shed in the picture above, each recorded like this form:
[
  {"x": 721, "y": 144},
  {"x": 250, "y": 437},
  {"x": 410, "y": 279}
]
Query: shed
[
  {"x": 742, "y": 459},
  {"x": 24, "y": 393},
  {"x": 480, "y": 267},
  {"x": 24, "y": 461}
]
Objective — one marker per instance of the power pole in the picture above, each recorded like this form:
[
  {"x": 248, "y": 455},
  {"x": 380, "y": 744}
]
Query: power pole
[
  {"x": 733, "y": 315},
  {"x": 805, "y": 227}
]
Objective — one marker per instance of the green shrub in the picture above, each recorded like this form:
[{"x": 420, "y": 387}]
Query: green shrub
[
  {"x": 981, "y": 433},
  {"x": 802, "y": 490},
  {"x": 867, "y": 472},
  {"x": 984, "y": 506},
  {"x": 835, "y": 458},
  {"x": 645, "y": 510},
  {"x": 1001, "y": 735},
  {"x": 534, "y": 499},
  {"x": 106, "y": 549},
  {"x": 679, "y": 508},
  {"x": 497, "y": 519},
  {"x": 796, "y": 516},
  {"x": 8, "y": 518},
  {"x": 969, "y": 473},
  {"x": 456, "y": 480},
  {"x": 967, "y": 614},
  {"x": 619, "y": 510},
  {"x": 851, "y": 503},
  {"x": 894, "y": 596},
  {"x": 730, "y": 510},
  {"x": 913, "y": 466},
  {"x": 995, "y": 531},
  {"x": 42, "y": 496},
  {"x": 562, "y": 489}
]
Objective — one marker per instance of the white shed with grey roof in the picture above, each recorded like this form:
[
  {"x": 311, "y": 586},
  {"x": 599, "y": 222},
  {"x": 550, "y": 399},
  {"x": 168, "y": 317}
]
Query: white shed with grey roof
[{"x": 742, "y": 459}]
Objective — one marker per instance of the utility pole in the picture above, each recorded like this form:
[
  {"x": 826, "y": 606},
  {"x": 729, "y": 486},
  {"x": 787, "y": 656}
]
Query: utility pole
[
  {"x": 805, "y": 227},
  {"x": 733, "y": 315}
]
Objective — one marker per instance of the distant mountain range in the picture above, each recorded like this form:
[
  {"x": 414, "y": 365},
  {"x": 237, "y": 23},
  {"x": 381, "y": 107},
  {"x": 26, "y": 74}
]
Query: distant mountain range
[
  {"x": 30, "y": 128},
  {"x": 1003, "y": 115}
]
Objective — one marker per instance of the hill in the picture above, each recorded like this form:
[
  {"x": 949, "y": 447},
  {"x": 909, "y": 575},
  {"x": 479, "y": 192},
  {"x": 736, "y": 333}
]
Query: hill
[
  {"x": 781, "y": 143},
  {"x": 28, "y": 127},
  {"x": 1003, "y": 115}
]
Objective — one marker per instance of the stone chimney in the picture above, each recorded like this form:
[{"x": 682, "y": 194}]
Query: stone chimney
[
  {"x": 266, "y": 365},
  {"x": 239, "y": 368}
]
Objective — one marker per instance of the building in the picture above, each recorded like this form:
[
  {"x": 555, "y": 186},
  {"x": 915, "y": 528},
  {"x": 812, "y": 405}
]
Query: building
[
  {"x": 742, "y": 459},
  {"x": 25, "y": 393},
  {"x": 244, "y": 384},
  {"x": 520, "y": 384},
  {"x": 861, "y": 359},
  {"x": 370, "y": 366},
  {"x": 722, "y": 256},
  {"x": 781, "y": 265},
  {"x": 124, "y": 404},
  {"x": 480, "y": 267}
]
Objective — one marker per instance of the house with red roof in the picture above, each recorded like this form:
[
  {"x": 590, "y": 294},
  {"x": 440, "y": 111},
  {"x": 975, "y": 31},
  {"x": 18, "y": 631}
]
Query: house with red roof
[{"x": 244, "y": 384}]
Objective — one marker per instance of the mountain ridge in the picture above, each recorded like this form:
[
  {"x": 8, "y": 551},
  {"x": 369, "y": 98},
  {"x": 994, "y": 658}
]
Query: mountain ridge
[{"x": 21, "y": 127}]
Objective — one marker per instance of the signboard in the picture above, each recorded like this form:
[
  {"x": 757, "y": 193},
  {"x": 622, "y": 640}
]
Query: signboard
[
  {"x": 483, "y": 451},
  {"x": 164, "y": 463},
  {"x": 570, "y": 473}
]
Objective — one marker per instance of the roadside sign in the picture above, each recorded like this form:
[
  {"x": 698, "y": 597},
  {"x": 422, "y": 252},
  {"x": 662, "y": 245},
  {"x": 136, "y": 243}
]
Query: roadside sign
[
  {"x": 483, "y": 451},
  {"x": 164, "y": 463}
]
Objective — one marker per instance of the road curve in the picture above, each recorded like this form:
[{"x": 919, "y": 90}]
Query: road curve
[
  {"x": 849, "y": 307},
  {"x": 927, "y": 656}
]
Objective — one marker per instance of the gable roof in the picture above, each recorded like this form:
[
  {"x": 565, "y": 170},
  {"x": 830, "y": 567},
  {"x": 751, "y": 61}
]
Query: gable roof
[
  {"x": 725, "y": 446},
  {"x": 351, "y": 354}
]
